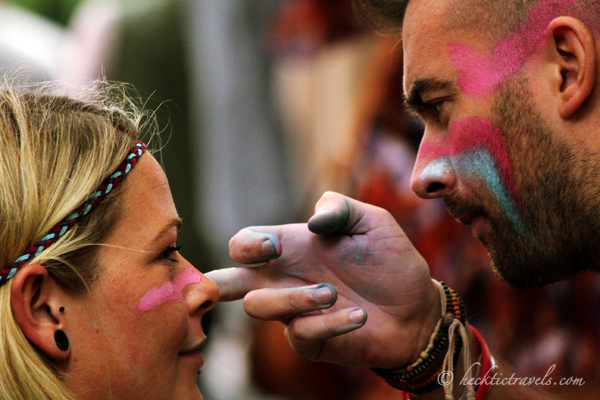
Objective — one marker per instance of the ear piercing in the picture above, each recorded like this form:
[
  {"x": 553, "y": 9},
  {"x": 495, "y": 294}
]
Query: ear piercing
[
  {"x": 62, "y": 309},
  {"x": 62, "y": 342}
]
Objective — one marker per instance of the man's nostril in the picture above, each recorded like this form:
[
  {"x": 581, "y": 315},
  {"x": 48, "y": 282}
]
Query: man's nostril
[{"x": 435, "y": 187}]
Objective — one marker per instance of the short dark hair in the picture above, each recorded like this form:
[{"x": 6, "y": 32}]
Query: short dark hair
[
  {"x": 386, "y": 16},
  {"x": 495, "y": 18}
]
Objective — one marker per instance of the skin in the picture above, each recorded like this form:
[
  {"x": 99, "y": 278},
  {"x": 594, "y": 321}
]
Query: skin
[
  {"x": 115, "y": 350},
  {"x": 512, "y": 165},
  {"x": 360, "y": 261},
  {"x": 479, "y": 75},
  {"x": 476, "y": 150},
  {"x": 555, "y": 89}
]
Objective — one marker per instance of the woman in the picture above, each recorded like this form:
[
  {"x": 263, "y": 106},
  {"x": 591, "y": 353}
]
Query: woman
[{"x": 96, "y": 302}]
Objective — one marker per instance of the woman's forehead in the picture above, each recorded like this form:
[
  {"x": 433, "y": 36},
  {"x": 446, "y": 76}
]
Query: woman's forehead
[{"x": 147, "y": 205}]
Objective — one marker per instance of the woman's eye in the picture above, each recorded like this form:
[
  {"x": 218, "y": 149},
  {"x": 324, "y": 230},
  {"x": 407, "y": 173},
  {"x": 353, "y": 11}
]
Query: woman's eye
[{"x": 168, "y": 253}]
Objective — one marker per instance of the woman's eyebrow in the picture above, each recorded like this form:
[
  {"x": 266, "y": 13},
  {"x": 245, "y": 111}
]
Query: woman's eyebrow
[{"x": 175, "y": 222}]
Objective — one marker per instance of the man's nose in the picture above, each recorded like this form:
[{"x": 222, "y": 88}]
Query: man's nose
[{"x": 434, "y": 172}]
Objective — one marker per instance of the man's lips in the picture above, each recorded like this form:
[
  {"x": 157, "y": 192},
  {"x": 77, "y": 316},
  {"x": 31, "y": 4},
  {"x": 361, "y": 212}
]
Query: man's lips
[
  {"x": 467, "y": 218},
  {"x": 463, "y": 210}
]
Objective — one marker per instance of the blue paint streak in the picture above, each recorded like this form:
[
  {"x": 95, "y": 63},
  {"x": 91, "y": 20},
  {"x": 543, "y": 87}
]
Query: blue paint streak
[{"x": 479, "y": 162}]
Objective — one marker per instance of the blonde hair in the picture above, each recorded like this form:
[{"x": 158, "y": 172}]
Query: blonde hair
[{"x": 55, "y": 151}]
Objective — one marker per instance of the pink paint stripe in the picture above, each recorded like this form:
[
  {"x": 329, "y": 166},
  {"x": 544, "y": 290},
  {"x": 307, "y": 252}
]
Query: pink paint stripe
[
  {"x": 469, "y": 133},
  {"x": 170, "y": 291},
  {"x": 479, "y": 74}
]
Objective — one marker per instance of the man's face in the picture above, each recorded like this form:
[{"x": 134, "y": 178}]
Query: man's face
[{"x": 527, "y": 193}]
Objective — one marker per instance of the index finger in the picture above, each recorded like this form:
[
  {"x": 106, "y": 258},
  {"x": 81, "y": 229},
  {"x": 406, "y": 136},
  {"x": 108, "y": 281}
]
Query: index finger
[{"x": 234, "y": 283}]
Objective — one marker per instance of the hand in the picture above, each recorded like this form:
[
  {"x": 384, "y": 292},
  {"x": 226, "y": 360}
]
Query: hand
[{"x": 359, "y": 250}]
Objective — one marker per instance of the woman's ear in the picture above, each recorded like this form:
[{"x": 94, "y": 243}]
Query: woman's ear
[
  {"x": 572, "y": 53},
  {"x": 35, "y": 300}
]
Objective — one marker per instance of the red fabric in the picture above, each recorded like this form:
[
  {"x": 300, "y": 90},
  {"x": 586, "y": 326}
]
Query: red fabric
[{"x": 486, "y": 365}]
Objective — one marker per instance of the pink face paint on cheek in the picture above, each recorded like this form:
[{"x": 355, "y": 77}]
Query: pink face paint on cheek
[
  {"x": 470, "y": 133},
  {"x": 170, "y": 291},
  {"x": 478, "y": 74}
]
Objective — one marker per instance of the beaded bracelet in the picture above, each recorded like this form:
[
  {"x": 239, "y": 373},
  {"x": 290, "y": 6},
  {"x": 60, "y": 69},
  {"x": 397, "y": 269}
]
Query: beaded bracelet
[
  {"x": 487, "y": 364},
  {"x": 413, "y": 377}
]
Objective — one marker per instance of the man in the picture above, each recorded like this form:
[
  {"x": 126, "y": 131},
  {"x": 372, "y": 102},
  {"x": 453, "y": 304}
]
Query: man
[{"x": 508, "y": 93}]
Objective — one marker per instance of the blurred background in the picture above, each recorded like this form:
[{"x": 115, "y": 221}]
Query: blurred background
[{"x": 264, "y": 105}]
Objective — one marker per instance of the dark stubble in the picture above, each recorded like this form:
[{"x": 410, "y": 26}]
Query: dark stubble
[{"x": 560, "y": 185}]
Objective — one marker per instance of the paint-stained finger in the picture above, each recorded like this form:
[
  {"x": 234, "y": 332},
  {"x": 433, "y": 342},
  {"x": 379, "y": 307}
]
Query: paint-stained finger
[
  {"x": 331, "y": 214},
  {"x": 285, "y": 304},
  {"x": 234, "y": 283},
  {"x": 336, "y": 213},
  {"x": 306, "y": 333},
  {"x": 250, "y": 246}
]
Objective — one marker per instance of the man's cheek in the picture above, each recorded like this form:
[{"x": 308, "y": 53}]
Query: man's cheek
[{"x": 477, "y": 151}]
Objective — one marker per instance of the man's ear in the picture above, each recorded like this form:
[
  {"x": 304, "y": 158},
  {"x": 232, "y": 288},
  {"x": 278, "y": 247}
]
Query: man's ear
[
  {"x": 35, "y": 301},
  {"x": 570, "y": 49}
]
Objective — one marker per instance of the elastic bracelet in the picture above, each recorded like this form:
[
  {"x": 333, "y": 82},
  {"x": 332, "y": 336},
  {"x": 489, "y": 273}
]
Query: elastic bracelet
[{"x": 419, "y": 377}]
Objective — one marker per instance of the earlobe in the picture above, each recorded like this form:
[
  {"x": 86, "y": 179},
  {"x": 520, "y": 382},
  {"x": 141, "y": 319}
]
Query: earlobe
[
  {"x": 572, "y": 51},
  {"x": 34, "y": 299}
]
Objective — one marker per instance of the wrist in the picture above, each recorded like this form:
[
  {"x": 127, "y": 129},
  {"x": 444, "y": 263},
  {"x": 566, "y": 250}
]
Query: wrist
[
  {"x": 428, "y": 322},
  {"x": 444, "y": 346}
]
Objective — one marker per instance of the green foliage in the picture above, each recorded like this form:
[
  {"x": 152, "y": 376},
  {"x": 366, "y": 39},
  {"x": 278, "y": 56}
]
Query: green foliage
[{"x": 59, "y": 11}]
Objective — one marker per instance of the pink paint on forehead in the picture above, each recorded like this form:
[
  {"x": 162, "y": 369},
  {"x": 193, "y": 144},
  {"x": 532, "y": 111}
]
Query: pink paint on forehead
[
  {"x": 472, "y": 133},
  {"x": 479, "y": 74},
  {"x": 168, "y": 291}
]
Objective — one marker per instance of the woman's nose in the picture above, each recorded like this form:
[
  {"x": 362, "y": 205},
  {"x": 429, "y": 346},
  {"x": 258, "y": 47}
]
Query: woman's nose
[{"x": 204, "y": 295}]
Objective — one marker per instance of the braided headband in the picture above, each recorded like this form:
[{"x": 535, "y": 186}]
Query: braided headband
[{"x": 69, "y": 222}]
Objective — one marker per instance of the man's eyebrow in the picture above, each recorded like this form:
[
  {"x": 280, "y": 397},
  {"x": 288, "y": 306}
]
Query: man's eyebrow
[
  {"x": 414, "y": 100},
  {"x": 175, "y": 222}
]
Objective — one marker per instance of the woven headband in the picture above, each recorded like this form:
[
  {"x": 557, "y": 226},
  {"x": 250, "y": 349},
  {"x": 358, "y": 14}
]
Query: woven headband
[{"x": 69, "y": 222}]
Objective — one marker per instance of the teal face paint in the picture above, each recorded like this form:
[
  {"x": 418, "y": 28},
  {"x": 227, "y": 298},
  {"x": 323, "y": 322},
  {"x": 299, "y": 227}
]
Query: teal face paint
[{"x": 475, "y": 149}]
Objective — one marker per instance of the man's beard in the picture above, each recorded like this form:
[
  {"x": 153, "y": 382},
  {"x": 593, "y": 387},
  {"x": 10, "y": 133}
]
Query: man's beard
[{"x": 560, "y": 186}]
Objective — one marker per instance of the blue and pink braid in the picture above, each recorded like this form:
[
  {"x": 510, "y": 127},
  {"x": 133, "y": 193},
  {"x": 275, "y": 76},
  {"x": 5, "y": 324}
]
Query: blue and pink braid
[{"x": 84, "y": 209}]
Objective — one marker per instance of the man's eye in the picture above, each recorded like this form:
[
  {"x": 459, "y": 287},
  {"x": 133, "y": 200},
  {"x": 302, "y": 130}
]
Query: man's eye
[
  {"x": 436, "y": 107},
  {"x": 168, "y": 253}
]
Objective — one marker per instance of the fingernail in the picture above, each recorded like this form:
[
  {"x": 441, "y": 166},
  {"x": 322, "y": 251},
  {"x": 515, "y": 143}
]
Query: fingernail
[
  {"x": 358, "y": 316},
  {"x": 271, "y": 247},
  {"x": 322, "y": 294},
  {"x": 255, "y": 265}
]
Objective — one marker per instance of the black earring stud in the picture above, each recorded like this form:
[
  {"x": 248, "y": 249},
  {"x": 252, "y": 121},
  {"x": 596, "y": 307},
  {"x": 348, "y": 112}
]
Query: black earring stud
[
  {"x": 62, "y": 309},
  {"x": 62, "y": 342}
]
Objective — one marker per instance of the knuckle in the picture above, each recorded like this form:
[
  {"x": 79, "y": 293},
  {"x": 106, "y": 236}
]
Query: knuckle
[
  {"x": 293, "y": 335},
  {"x": 294, "y": 300},
  {"x": 328, "y": 324},
  {"x": 304, "y": 347},
  {"x": 329, "y": 197},
  {"x": 249, "y": 305}
]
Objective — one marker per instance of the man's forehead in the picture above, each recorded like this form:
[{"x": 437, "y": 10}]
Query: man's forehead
[
  {"x": 426, "y": 36},
  {"x": 421, "y": 16},
  {"x": 423, "y": 40}
]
